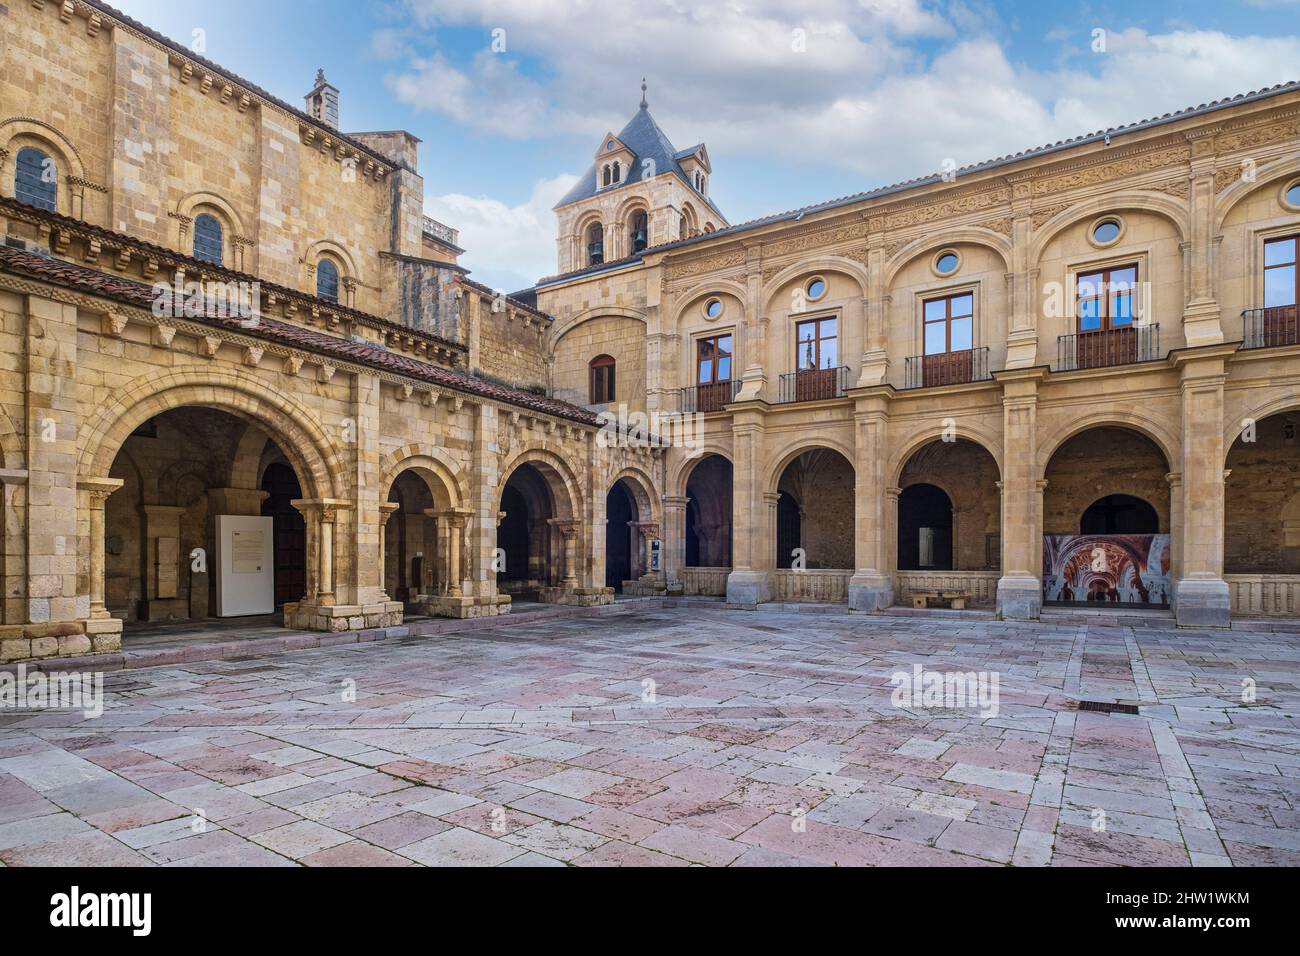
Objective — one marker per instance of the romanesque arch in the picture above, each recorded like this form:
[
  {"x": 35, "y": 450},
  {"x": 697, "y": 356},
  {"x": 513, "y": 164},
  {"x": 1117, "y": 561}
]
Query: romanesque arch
[
  {"x": 966, "y": 235},
  {"x": 303, "y": 440}
]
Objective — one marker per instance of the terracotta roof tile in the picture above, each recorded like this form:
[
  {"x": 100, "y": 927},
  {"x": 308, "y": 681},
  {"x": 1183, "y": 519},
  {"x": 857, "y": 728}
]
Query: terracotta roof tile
[{"x": 133, "y": 292}]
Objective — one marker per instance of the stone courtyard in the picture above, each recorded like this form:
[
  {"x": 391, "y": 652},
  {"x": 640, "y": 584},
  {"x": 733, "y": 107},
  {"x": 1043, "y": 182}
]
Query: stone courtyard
[{"x": 673, "y": 736}]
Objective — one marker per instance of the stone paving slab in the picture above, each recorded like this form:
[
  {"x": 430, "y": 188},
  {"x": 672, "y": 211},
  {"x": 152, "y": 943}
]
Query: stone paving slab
[{"x": 772, "y": 739}]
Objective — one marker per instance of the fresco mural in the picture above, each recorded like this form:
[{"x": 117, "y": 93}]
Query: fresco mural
[{"x": 1122, "y": 570}]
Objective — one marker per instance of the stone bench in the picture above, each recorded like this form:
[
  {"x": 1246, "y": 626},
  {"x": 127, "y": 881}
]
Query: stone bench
[{"x": 956, "y": 599}]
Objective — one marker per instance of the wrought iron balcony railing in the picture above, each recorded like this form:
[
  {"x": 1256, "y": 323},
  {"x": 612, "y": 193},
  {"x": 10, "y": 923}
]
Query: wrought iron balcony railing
[
  {"x": 710, "y": 397},
  {"x": 1265, "y": 328},
  {"x": 947, "y": 368},
  {"x": 1101, "y": 348},
  {"x": 814, "y": 384}
]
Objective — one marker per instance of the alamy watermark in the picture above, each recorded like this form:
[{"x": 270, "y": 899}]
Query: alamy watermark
[
  {"x": 56, "y": 690},
  {"x": 208, "y": 300},
  {"x": 627, "y": 429},
  {"x": 950, "y": 690}
]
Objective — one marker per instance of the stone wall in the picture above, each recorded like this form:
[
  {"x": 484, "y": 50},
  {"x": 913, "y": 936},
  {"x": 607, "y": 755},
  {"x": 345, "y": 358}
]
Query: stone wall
[
  {"x": 1262, "y": 510},
  {"x": 1101, "y": 462}
]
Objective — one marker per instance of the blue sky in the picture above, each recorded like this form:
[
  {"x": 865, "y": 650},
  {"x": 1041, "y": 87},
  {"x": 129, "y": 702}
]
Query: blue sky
[{"x": 797, "y": 100}]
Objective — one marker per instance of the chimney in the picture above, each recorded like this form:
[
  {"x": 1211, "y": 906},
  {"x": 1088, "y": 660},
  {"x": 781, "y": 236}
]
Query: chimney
[{"x": 323, "y": 102}]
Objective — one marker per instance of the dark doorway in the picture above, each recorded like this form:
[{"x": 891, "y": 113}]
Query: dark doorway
[
  {"x": 289, "y": 529},
  {"x": 512, "y": 537},
  {"x": 525, "y": 535},
  {"x": 620, "y": 509},
  {"x": 708, "y": 514},
  {"x": 789, "y": 532},
  {"x": 924, "y": 529},
  {"x": 1119, "y": 514}
]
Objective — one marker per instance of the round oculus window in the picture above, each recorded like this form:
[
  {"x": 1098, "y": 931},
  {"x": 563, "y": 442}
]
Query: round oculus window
[
  {"x": 816, "y": 289},
  {"x": 1106, "y": 231},
  {"x": 713, "y": 308},
  {"x": 1293, "y": 195},
  {"x": 947, "y": 263}
]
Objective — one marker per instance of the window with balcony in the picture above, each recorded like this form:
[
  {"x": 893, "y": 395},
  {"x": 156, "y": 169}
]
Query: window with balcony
[
  {"x": 713, "y": 386},
  {"x": 1276, "y": 323},
  {"x": 949, "y": 356},
  {"x": 602, "y": 379},
  {"x": 817, "y": 372},
  {"x": 1107, "y": 331}
]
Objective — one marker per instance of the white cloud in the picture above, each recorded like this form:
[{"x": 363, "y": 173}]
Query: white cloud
[
  {"x": 507, "y": 247},
  {"x": 865, "y": 96}
]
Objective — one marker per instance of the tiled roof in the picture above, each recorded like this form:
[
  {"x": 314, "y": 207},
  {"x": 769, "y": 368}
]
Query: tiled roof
[
  {"x": 643, "y": 136},
  {"x": 521, "y": 305},
  {"x": 236, "y": 78},
  {"x": 133, "y": 292},
  {"x": 122, "y": 240},
  {"x": 1101, "y": 135}
]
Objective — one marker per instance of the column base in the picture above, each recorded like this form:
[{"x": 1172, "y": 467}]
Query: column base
[
  {"x": 1202, "y": 603},
  {"x": 578, "y": 597},
  {"x": 870, "y": 591},
  {"x": 336, "y": 618},
  {"x": 645, "y": 586},
  {"x": 465, "y": 606},
  {"x": 1019, "y": 598},
  {"x": 30, "y": 642},
  {"x": 747, "y": 589}
]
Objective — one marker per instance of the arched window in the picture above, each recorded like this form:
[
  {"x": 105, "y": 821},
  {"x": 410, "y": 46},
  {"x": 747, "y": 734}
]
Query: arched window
[
  {"x": 640, "y": 234},
  {"x": 618, "y": 171},
  {"x": 602, "y": 379},
  {"x": 36, "y": 181},
  {"x": 604, "y": 179},
  {"x": 327, "y": 280},
  {"x": 595, "y": 244},
  {"x": 208, "y": 238}
]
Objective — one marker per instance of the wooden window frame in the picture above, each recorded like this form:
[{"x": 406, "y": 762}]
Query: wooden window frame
[
  {"x": 1294, "y": 264},
  {"x": 947, "y": 320},
  {"x": 1103, "y": 297},
  {"x": 716, "y": 357},
  {"x": 817, "y": 341},
  {"x": 601, "y": 379}
]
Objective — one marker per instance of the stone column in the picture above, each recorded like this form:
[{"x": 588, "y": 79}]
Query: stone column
[
  {"x": 325, "y": 573},
  {"x": 456, "y": 520},
  {"x": 674, "y": 556},
  {"x": 1020, "y": 591},
  {"x": 874, "y": 307},
  {"x": 320, "y": 515},
  {"x": 749, "y": 583},
  {"x": 1201, "y": 325},
  {"x": 386, "y": 510},
  {"x": 569, "y": 569},
  {"x": 484, "y": 499},
  {"x": 1022, "y": 282},
  {"x": 649, "y": 531},
  {"x": 872, "y": 586},
  {"x": 1201, "y": 596},
  {"x": 97, "y": 492}
]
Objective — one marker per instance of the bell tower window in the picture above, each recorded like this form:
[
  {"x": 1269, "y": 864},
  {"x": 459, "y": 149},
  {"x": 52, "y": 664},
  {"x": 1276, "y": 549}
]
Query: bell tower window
[
  {"x": 640, "y": 233},
  {"x": 595, "y": 244}
]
